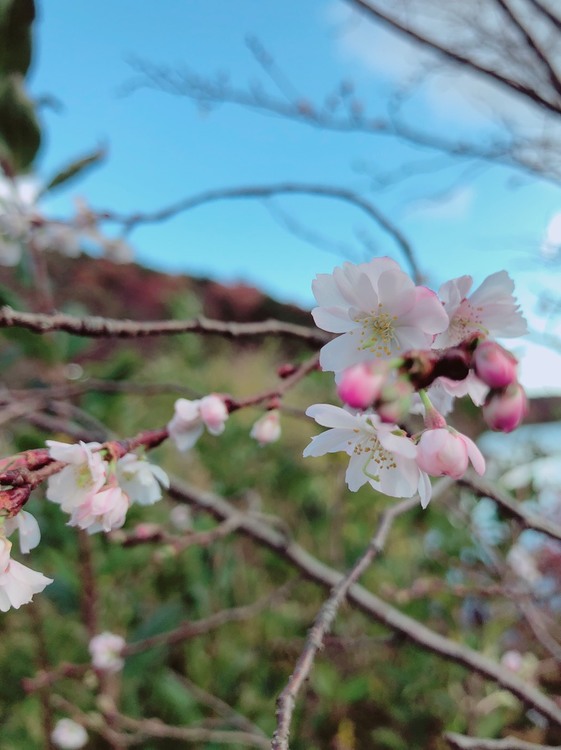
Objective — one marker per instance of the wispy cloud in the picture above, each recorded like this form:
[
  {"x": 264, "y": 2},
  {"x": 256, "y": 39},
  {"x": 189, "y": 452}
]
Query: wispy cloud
[{"x": 453, "y": 205}]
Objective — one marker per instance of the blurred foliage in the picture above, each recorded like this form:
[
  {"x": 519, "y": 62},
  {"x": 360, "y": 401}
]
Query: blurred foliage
[{"x": 20, "y": 134}]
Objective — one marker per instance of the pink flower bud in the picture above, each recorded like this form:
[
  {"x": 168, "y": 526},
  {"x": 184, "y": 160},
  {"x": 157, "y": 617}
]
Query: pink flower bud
[
  {"x": 214, "y": 413},
  {"x": 446, "y": 452},
  {"x": 505, "y": 410},
  {"x": 360, "y": 385},
  {"x": 494, "y": 365},
  {"x": 267, "y": 428}
]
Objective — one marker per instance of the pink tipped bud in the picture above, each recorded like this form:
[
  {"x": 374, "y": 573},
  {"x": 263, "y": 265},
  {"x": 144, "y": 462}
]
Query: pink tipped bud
[
  {"x": 214, "y": 413},
  {"x": 505, "y": 410},
  {"x": 360, "y": 385},
  {"x": 267, "y": 429},
  {"x": 446, "y": 452},
  {"x": 494, "y": 365}
]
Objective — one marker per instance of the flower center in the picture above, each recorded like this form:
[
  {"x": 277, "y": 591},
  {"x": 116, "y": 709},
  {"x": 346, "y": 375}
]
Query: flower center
[
  {"x": 467, "y": 320},
  {"x": 377, "y": 333},
  {"x": 375, "y": 453}
]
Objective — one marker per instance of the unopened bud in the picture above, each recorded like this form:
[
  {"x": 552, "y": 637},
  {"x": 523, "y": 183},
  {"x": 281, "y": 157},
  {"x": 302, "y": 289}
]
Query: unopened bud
[
  {"x": 494, "y": 365},
  {"x": 360, "y": 385},
  {"x": 504, "y": 410},
  {"x": 267, "y": 429}
]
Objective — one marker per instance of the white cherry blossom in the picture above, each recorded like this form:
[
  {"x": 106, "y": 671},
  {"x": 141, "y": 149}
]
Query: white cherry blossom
[
  {"x": 105, "y": 650},
  {"x": 85, "y": 474},
  {"x": 69, "y": 735},
  {"x": 490, "y": 310},
  {"x": 18, "y": 583},
  {"x": 380, "y": 454},
  {"x": 191, "y": 417},
  {"x": 378, "y": 310},
  {"x": 28, "y": 528},
  {"x": 141, "y": 479},
  {"x": 104, "y": 510}
]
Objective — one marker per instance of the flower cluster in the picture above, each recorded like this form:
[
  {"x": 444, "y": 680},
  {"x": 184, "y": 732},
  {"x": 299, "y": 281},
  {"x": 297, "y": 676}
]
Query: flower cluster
[
  {"x": 95, "y": 492},
  {"x": 191, "y": 417},
  {"x": 403, "y": 349}
]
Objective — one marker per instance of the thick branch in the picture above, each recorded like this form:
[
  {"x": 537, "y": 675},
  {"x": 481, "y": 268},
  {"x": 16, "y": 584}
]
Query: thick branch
[{"x": 96, "y": 327}]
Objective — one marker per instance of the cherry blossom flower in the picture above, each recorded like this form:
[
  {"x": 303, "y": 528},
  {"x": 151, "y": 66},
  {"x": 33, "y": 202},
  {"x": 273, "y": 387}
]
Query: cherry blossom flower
[
  {"x": 379, "y": 311},
  {"x": 491, "y": 310},
  {"x": 18, "y": 583},
  {"x": 103, "y": 510},
  {"x": 85, "y": 474},
  {"x": 190, "y": 418},
  {"x": 140, "y": 479},
  {"x": 28, "y": 528},
  {"x": 446, "y": 452},
  {"x": 69, "y": 735},
  {"x": 267, "y": 429},
  {"x": 105, "y": 650},
  {"x": 380, "y": 454}
]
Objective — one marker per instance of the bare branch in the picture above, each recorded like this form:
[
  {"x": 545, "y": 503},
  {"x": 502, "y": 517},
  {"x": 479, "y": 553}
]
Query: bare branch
[
  {"x": 266, "y": 191},
  {"x": 97, "y": 327},
  {"x": 456, "y": 57},
  {"x": 526, "y": 519},
  {"x": 533, "y": 45}
]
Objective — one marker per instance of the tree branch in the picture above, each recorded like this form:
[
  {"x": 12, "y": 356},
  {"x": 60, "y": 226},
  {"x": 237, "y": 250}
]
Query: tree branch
[
  {"x": 456, "y": 57},
  {"x": 97, "y": 327},
  {"x": 266, "y": 191}
]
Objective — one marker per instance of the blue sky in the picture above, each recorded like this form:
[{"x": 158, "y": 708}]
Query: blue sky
[{"x": 464, "y": 218}]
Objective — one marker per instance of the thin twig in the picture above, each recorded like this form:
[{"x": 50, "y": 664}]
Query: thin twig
[{"x": 322, "y": 624}]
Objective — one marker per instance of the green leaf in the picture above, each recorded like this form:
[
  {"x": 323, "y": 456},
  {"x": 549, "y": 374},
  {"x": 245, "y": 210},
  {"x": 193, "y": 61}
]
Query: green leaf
[
  {"x": 20, "y": 135},
  {"x": 16, "y": 17},
  {"x": 75, "y": 168}
]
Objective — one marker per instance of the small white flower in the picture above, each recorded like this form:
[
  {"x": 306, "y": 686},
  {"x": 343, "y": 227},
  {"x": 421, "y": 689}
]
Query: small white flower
[
  {"x": 379, "y": 311},
  {"x": 491, "y": 310},
  {"x": 18, "y": 583},
  {"x": 69, "y": 735},
  {"x": 140, "y": 479},
  {"x": 190, "y": 418},
  {"x": 380, "y": 453},
  {"x": 106, "y": 649},
  {"x": 84, "y": 475}
]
